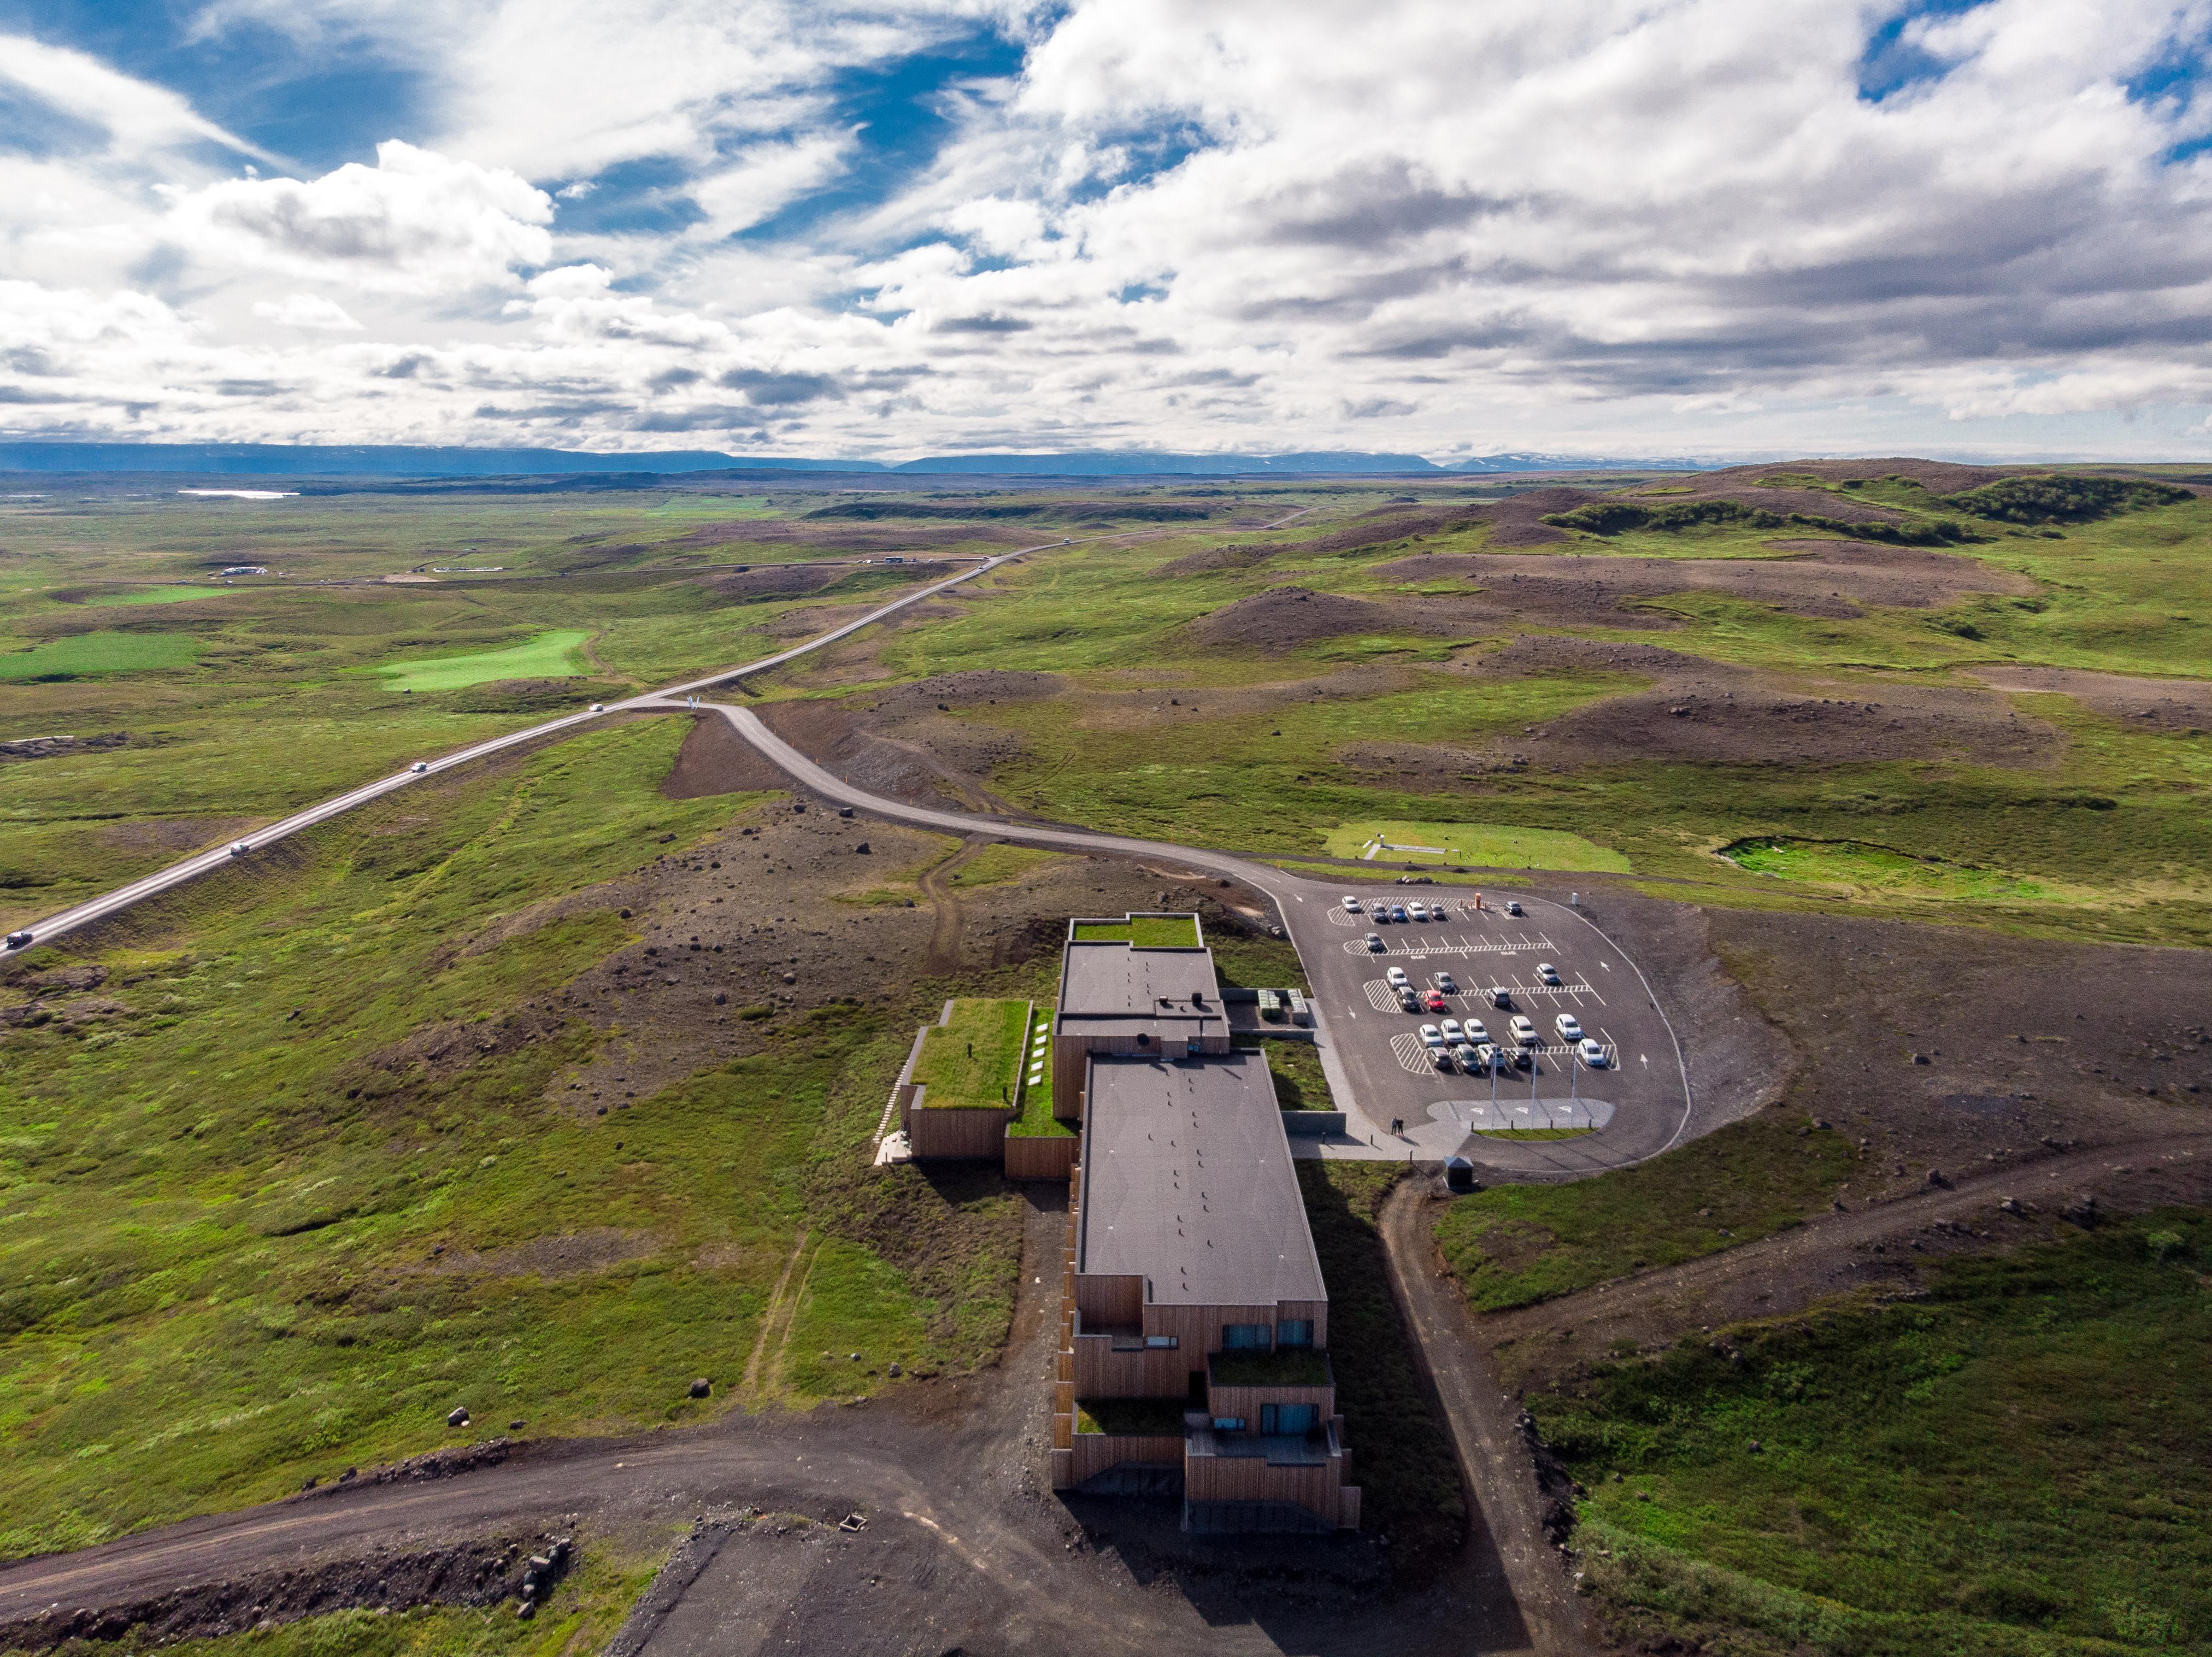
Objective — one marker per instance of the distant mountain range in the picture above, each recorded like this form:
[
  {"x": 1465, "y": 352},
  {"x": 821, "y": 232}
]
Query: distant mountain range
[{"x": 371, "y": 461}]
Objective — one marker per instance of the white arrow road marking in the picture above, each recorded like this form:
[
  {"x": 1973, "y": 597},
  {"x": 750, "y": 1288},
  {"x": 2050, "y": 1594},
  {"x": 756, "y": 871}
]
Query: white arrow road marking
[{"x": 1642, "y": 1058}]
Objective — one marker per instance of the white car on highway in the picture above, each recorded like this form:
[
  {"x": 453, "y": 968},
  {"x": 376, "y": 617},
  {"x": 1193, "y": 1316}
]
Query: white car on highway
[
  {"x": 1432, "y": 1037},
  {"x": 1593, "y": 1053},
  {"x": 1398, "y": 979},
  {"x": 419, "y": 767},
  {"x": 1523, "y": 1032},
  {"x": 1569, "y": 1026}
]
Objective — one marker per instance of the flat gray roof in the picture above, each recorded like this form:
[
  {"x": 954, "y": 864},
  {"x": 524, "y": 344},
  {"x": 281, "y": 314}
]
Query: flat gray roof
[
  {"x": 1118, "y": 980},
  {"x": 1187, "y": 1180}
]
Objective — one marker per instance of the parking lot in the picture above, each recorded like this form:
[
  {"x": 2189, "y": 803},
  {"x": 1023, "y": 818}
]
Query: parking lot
[{"x": 1627, "y": 1104}]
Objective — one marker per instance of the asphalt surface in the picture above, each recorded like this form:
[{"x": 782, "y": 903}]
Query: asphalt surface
[{"x": 1362, "y": 1049}]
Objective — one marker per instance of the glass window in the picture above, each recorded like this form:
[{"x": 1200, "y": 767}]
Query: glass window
[
  {"x": 1244, "y": 1337},
  {"x": 1162, "y": 1342},
  {"x": 1294, "y": 1332},
  {"x": 1289, "y": 1418},
  {"x": 1229, "y": 1423}
]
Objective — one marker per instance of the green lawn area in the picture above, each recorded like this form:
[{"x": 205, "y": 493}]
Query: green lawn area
[
  {"x": 1870, "y": 869},
  {"x": 1036, "y": 1120},
  {"x": 256, "y": 1232},
  {"x": 549, "y": 655},
  {"x": 1494, "y": 845},
  {"x": 137, "y": 595},
  {"x": 1146, "y": 932},
  {"x": 1515, "y": 1245},
  {"x": 973, "y": 1062},
  {"x": 1301, "y": 1084},
  {"x": 2012, "y": 1465},
  {"x": 85, "y": 654}
]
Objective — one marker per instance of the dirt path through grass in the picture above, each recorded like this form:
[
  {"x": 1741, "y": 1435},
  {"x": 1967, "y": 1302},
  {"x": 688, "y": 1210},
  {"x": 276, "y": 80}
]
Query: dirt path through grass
[{"x": 1493, "y": 1457}]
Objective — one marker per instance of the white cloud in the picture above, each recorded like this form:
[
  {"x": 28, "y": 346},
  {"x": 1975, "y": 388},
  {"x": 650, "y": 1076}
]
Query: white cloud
[
  {"x": 416, "y": 223},
  {"x": 137, "y": 116},
  {"x": 306, "y": 311},
  {"x": 1258, "y": 222}
]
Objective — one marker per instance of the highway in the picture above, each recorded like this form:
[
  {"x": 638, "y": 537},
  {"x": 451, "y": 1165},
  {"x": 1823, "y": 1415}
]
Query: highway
[{"x": 61, "y": 925}]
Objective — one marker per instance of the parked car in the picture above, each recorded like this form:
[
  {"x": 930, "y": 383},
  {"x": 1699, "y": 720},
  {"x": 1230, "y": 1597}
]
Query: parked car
[
  {"x": 1475, "y": 1031},
  {"x": 1375, "y": 940},
  {"x": 1379, "y": 910},
  {"x": 1351, "y": 906},
  {"x": 1440, "y": 1058},
  {"x": 1410, "y": 999},
  {"x": 1486, "y": 1058},
  {"x": 1453, "y": 1033},
  {"x": 1569, "y": 1026},
  {"x": 1466, "y": 1056},
  {"x": 1398, "y": 913},
  {"x": 1513, "y": 906},
  {"x": 1500, "y": 996},
  {"x": 1524, "y": 1059},
  {"x": 1446, "y": 983},
  {"x": 1432, "y": 1037},
  {"x": 1435, "y": 1001},
  {"x": 1398, "y": 979},
  {"x": 1593, "y": 1053},
  {"x": 1418, "y": 913},
  {"x": 1546, "y": 971},
  {"x": 1523, "y": 1032}
]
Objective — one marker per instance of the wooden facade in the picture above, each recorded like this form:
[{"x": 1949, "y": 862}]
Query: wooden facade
[
  {"x": 1033, "y": 1157},
  {"x": 955, "y": 1133},
  {"x": 1092, "y": 1453}
]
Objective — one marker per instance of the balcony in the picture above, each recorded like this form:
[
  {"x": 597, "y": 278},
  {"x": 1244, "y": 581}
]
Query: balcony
[{"x": 1283, "y": 1366}]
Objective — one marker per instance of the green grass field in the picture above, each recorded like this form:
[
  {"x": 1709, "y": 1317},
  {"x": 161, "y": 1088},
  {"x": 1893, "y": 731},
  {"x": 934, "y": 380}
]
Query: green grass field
[
  {"x": 256, "y": 1232},
  {"x": 2012, "y": 1465},
  {"x": 1517, "y": 1245},
  {"x": 549, "y": 655},
  {"x": 973, "y": 1061},
  {"x": 1301, "y": 1084},
  {"x": 87, "y": 655},
  {"x": 1145, "y": 932},
  {"x": 1036, "y": 1120},
  {"x": 1865, "y": 868},
  {"x": 128, "y": 596},
  {"x": 1494, "y": 845}
]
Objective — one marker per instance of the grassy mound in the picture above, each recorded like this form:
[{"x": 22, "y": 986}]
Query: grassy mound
[
  {"x": 86, "y": 655},
  {"x": 549, "y": 655},
  {"x": 2013, "y": 1465},
  {"x": 1489, "y": 845}
]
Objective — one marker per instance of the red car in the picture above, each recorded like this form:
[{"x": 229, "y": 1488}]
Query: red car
[{"x": 1436, "y": 1002}]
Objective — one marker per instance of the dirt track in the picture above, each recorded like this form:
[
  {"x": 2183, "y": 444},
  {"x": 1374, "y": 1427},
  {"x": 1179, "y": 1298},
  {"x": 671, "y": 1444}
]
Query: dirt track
[{"x": 962, "y": 1548}]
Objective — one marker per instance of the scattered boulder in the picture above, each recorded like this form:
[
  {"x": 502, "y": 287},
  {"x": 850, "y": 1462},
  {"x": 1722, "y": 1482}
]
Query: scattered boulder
[
  {"x": 861, "y": 850},
  {"x": 2084, "y": 1213},
  {"x": 457, "y": 1417},
  {"x": 701, "y": 1388}
]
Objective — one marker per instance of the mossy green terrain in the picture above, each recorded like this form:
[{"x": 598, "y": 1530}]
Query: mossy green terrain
[
  {"x": 84, "y": 655},
  {"x": 1517, "y": 1245},
  {"x": 973, "y": 1060},
  {"x": 1484, "y": 844},
  {"x": 549, "y": 655},
  {"x": 2010, "y": 1465},
  {"x": 290, "y": 1185}
]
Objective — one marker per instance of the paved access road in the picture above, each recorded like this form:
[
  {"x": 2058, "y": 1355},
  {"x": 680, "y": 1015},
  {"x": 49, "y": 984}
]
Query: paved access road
[
  {"x": 69, "y": 920},
  {"x": 1376, "y": 1065}
]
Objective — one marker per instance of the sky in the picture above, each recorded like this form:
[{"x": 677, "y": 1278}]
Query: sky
[{"x": 883, "y": 229}]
